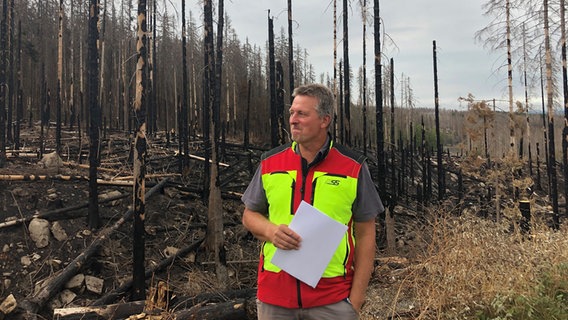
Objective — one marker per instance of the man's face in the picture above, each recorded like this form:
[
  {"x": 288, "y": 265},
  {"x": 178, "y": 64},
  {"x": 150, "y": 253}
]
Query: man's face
[{"x": 306, "y": 125}]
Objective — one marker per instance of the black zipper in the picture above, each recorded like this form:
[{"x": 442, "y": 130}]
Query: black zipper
[{"x": 305, "y": 170}]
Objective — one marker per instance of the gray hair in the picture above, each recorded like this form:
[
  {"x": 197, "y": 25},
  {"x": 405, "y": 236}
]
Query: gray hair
[{"x": 326, "y": 100}]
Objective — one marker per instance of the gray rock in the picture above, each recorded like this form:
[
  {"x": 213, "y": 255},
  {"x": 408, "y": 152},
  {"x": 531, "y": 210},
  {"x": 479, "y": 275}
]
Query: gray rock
[
  {"x": 76, "y": 282},
  {"x": 94, "y": 284},
  {"x": 39, "y": 232},
  {"x": 8, "y": 305},
  {"x": 58, "y": 231}
]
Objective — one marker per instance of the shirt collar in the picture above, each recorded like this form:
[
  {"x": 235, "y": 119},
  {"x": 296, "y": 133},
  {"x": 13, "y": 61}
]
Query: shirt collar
[{"x": 321, "y": 153}]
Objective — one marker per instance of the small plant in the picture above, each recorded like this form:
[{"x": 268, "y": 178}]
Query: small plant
[{"x": 548, "y": 301}]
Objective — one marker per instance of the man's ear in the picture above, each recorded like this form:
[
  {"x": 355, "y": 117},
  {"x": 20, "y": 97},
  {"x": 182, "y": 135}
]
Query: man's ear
[{"x": 326, "y": 120}]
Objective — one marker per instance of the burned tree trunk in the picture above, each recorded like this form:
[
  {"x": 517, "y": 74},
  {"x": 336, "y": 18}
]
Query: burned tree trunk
[
  {"x": 212, "y": 88},
  {"x": 139, "y": 206},
  {"x": 3, "y": 85},
  {"x": 379, "y": 104},
  {"x": 290, "y": 51},
  {"x": 550, "y": 107},
  {"x": 392, "y": 170},
  {"x": 208, "y": 86},
  {"x": 346, "y": 77},
  {"x": 59, "y": 79},
  {"x": 364, "y": 89},
  {"x": 279, "y": 88},
  {"x": 272, "y": 76},
  {"x": 565, "y": 95},
  {"x": 183, "y": 115},
  {"x": 19, "y": 91},
  {"x": 247, "y": 117},
  {"x": 95, "y": 113},
  {"x": 336, "y": 111},
  {"x": 510, "y": 78},
  {"x": 10, "y": 73},
  {"x": 441, "y": 187}
]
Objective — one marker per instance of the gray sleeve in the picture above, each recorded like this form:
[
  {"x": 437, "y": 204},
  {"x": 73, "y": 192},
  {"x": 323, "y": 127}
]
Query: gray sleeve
[
  {"x": 254, "y": 197},
  {"x": 368, "y": 203}
]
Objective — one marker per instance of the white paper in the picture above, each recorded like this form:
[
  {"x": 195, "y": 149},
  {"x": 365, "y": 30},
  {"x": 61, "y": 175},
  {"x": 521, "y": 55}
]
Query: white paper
[{"x": 320, "y": 237}]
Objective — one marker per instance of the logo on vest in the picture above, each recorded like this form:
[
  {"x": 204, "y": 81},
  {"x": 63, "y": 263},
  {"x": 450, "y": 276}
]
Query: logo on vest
[{"x": 333, "y": 182}]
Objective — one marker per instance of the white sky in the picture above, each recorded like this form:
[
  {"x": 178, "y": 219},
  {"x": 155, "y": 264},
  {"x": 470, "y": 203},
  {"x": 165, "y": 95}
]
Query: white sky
[{"x": 464, "y": 66}]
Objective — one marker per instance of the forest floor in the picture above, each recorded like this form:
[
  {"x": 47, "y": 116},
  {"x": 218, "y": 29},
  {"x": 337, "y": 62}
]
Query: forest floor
[{"x": 176, "y": 217}]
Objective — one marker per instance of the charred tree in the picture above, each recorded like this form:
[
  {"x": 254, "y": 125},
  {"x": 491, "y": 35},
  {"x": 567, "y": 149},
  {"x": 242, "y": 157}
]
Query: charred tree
[
  {"x": 510, "y": 77},
  {"x": 208, "y": 91},
  {"x": 336, "y": 111},
  {"x": 364, "y": 89},
  {"x": 439, "y": 151},
  {"x": 138, "y": 279},
  {"x": 279, "y": 88},
  {"x": 290, "y": 51},
  {"x": 10, "y": 73},
  {"x": 565, "y": 95},
  {"x": 59, "y": 79},
  {"x": 272, "y": 77},
  {"x": 183, "y": 119},
  {"x": 153, "y": 85},
  {"x": 392, "y": 170},
  {"x": 19, "y": 90},
  {"x": 247, "y": 117},
  {"x": 340, "y": 113},
  {"x": 381, "y": 176},
  {"x": 550, "y": 108},
  {"x": 346, "y": 76},
  {"x": 3, "y": 84},
  {"x": 95, "y": 113},
  {"x": 212, "y": 89}
]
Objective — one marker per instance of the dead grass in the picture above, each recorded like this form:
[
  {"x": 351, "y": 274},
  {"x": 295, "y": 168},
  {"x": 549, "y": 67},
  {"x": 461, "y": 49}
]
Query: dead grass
[{"x": 469, "y": 262}]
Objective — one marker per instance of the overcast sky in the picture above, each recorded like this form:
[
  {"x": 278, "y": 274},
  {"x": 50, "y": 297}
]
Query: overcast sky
[{"x": 464, "y": 66}]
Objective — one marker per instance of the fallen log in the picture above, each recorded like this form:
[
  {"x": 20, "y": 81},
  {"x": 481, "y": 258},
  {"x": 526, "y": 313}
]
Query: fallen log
[
  {"x": 51, "y": 215},
  {"x": 118, "y": 292},
  {"x": 33, "y": 177},
  {"x": 86, "y": 166},
  {"x": 33, "y": 303},
  {"x": 113, "y": 311},
  {"x": 39, "y": 177},
  {"x": 240, "y": 309},
  {"x": 181, "y": 303}
]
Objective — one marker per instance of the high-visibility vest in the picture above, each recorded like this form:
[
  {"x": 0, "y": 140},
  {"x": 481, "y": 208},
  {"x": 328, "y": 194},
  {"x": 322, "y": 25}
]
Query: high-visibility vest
[{"x": 329, "y": 185}]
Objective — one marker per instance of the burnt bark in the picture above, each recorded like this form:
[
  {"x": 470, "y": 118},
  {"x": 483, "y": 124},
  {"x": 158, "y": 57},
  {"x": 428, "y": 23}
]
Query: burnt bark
[
  {"x": 346, "y": 76},
  {"x": 272, "y": 77},
  {"x": 139, "y": 205},
  {"x": 95, "y": 113},
  {"x": 3, "y": 85},
  {"x": 439, "y": 151}
]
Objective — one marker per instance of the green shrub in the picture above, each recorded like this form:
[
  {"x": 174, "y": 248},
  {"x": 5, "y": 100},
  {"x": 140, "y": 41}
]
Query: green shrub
[{"x": 549, "y": 300}]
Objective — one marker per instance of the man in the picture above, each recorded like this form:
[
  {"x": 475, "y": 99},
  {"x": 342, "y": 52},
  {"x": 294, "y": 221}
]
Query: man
[{"x": 333, "y": 179}]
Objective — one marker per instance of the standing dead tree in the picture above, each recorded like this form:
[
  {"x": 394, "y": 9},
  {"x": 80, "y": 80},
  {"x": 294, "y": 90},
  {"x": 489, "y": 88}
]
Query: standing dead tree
[
  {"x": 379, "y": 103},
  {"x": 183, "y": 121},
  {"x": 59, "y": 78},
  {"x": 272, "y": 77},
  {"x": 138, "y": 279},
  {"x": 565, "y": 95},
  {"x": 211, "y": 121},
  {"x": 95, "y": 112},
  {"x": 441, "y": 187},
  {"x": 550, "y": 109},
  {"x": 346, "y": 76},
  {"x": 290, "y": 51},
  {"x": 3, "y": 84}
]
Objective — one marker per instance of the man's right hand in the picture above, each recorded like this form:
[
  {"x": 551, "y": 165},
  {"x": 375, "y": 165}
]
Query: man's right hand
[{"x": 285, "y": 238}]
